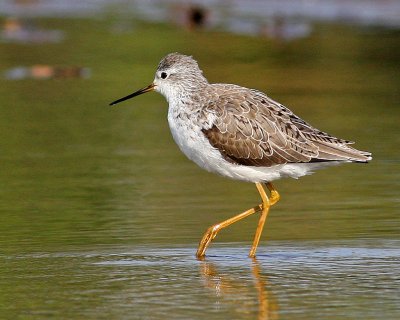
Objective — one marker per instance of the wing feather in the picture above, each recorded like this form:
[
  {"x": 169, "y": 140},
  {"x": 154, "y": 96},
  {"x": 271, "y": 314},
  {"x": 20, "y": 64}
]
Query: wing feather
[{"x": 251, "y": 129}]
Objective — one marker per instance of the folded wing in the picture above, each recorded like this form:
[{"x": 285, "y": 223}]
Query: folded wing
[{"x": 251, "y": 129}]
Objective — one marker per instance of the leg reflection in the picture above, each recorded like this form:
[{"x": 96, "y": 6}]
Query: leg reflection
[
  {"x": 231, "y": 290},
  {"x": 267, "y": 305}
]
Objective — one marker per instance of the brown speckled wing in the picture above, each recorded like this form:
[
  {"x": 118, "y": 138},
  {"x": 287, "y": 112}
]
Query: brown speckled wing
[{"x": 251, "y": 129}]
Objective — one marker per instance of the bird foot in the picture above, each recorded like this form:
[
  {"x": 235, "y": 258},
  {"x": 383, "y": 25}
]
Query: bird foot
[{"x": 208, "y": 236}]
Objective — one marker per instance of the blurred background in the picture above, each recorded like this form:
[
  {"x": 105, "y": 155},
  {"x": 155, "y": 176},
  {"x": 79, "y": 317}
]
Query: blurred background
[{"x": 100, "y": 213}]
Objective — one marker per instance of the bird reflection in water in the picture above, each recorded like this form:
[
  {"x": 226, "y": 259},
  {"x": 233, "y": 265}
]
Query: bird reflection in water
[{"x": 236, "y": 292}]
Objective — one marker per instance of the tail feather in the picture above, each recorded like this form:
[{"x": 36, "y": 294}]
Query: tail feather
[{"x": 340, "y": 152}]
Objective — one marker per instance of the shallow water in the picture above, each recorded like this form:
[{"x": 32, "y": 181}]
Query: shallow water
[
  {"x": 302, "y": 280},
  {"x": 101, "y": 214}
]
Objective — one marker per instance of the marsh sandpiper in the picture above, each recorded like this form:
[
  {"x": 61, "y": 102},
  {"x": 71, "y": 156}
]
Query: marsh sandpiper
[{"x": 242, "y": 134}]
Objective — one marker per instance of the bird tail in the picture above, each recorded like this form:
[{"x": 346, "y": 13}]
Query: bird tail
[{"x": 340, "y": 152}]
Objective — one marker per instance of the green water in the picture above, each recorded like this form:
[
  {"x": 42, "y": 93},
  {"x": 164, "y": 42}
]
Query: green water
[{"x": 100, "y": 214}]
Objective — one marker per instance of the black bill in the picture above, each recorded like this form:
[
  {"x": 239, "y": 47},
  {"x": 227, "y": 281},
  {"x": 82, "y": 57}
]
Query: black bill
[{"x": 143, "y": 90}]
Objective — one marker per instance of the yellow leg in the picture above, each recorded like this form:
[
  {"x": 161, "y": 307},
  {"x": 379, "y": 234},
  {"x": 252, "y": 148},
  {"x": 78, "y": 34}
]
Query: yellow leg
[
  {"x": 212, "y": 231},
  {"x": 266, "y": 204}
]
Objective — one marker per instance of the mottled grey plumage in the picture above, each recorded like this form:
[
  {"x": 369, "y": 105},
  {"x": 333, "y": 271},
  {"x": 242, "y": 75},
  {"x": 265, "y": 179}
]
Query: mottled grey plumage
[{"x": 252, "y": 129}]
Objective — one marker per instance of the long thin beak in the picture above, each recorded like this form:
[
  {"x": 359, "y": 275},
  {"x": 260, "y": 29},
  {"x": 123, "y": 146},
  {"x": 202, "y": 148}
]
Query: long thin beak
[{"x": 143, "y": 90}]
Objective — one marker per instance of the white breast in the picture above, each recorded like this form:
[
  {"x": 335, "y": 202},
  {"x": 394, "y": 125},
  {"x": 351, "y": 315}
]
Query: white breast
[{"x": 191, "y": 140}]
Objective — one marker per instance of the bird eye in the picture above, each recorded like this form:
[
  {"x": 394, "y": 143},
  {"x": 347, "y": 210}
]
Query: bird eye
[{"x": 163, "y": 75}]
